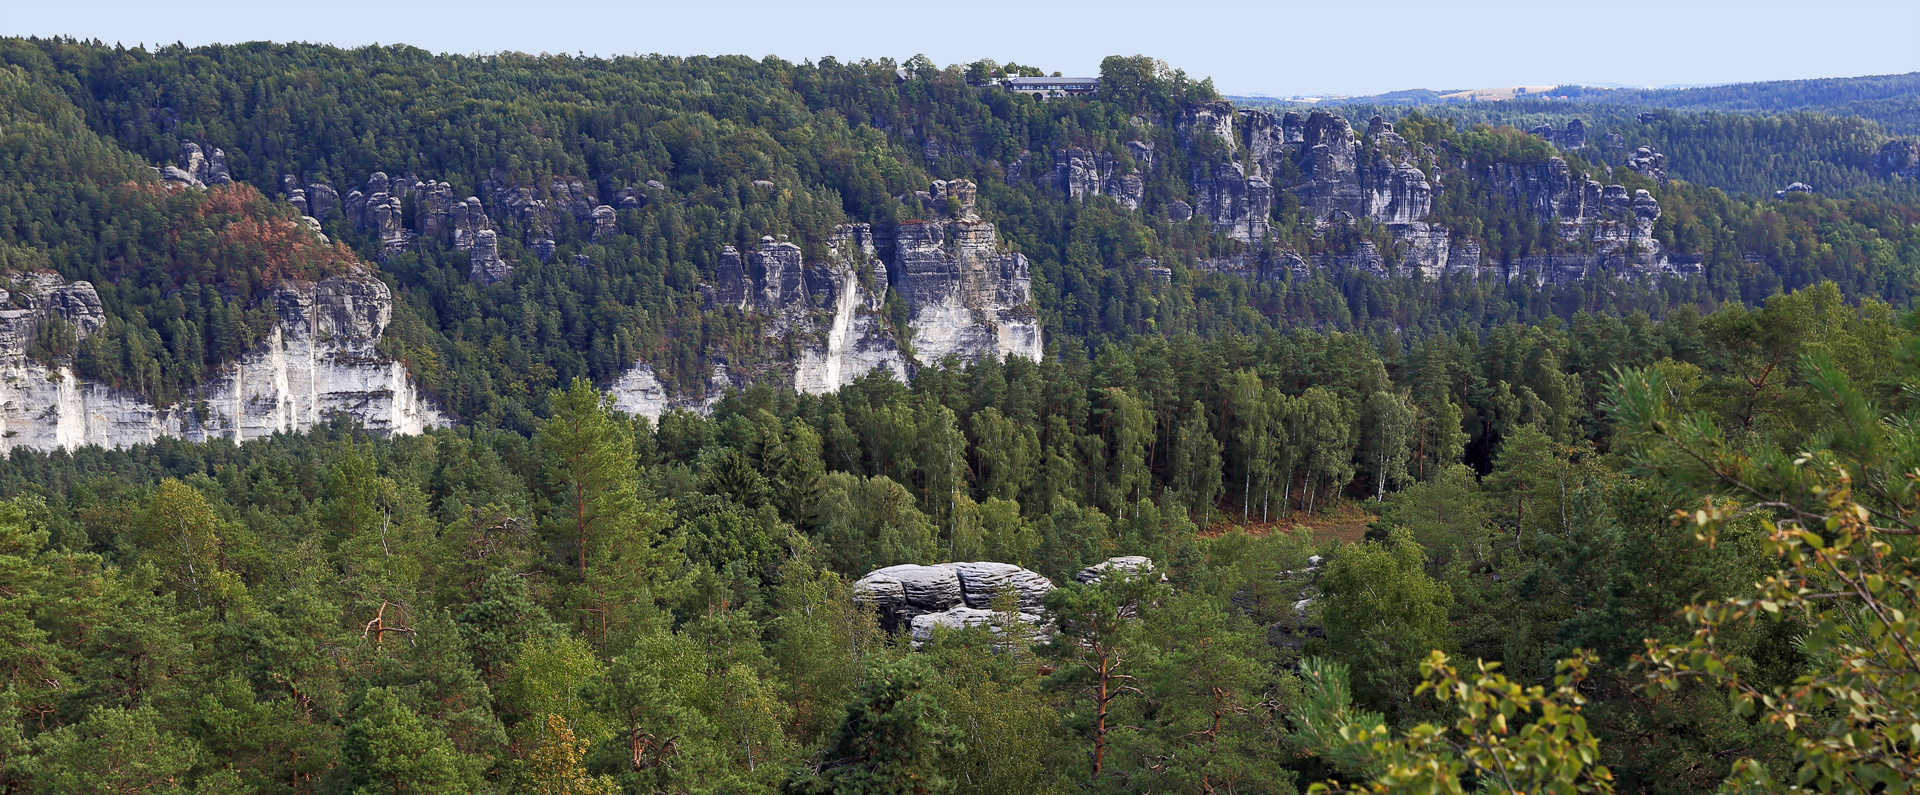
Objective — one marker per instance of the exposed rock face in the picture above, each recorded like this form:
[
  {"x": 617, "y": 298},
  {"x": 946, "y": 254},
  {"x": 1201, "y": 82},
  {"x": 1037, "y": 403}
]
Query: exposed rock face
[
  {"x": 1615, "y": 226},
  {"x": 967, "y": 296},
  {"x": 852, "y": 285},
  {"x": 176, "y": 175},
  {"x": 1241, "y": 158},
  {"x": 322, "y": 199},
  {"x": 922, "y": 627},
  {"x": 30, "y": 299},
  {"x": 566, "y": 196},
  {"x": 1131, "y": 564},
  {"x": 605, "y": 224},
  {"x": 640, "y": 392},
  {"x": 953, "y": 595},
  {"x": 1797, "y": 187},
  {"x": 1080, "y": 174},
  {"x": 1898, "y": 159},
  {"x": 1319, "y": 159},
  {"x": 1649, "y": 164},
  {"x": 318, "y": 361},
  {"x": 1208, "y": 119},
  {"x": 1573, "y": 137},
  {"x": 982, "y": 582},
  {"x": 484, "y": 263},
  {"x": 1238, "y": 204}
]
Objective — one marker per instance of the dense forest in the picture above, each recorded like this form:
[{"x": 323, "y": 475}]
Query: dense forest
[
  {"x": 1752, "y": 154},
  {"x": 1428, "y": 534}
]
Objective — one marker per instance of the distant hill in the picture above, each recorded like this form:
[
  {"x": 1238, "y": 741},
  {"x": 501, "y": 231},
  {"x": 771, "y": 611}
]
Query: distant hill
[{"x": 1891, "y": 100}]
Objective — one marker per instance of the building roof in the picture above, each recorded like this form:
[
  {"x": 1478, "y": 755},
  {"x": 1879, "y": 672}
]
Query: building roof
[{"x": 1048, "y": 82}]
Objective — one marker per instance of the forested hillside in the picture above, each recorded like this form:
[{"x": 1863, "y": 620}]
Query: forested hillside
[
  {"x": 1265, "y": 466},
  {"x": 839, "y": 142}
]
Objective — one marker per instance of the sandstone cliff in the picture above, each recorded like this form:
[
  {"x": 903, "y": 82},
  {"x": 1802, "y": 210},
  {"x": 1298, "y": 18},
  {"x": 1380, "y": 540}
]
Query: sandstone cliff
[
  {"x": 1242, "y": 158},
  {"x": 966, "y": 297},
  {"x": 318, "y": 361}
]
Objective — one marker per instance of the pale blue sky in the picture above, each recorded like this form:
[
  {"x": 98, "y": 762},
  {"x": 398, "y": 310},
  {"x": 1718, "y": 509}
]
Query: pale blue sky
[{"x": 1274, "y": 48}]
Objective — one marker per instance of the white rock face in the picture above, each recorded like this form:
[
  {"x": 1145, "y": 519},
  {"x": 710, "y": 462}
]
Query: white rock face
[
  {"x": 1131, "y": 564},
  {"x": 857, "y": 341},
  {"x": 968, "y": 299},
  {"x": 640, "y": 392},
  {"x": 319, "y": 361}
]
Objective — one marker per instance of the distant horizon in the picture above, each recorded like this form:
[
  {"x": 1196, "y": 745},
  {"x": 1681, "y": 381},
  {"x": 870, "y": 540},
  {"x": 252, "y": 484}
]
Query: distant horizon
[
  {"x": 1247, "y": 48},
  {"x": 1610, "y": 86}
]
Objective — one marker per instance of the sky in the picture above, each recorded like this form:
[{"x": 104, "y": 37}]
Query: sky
[{"x": 1277, "y": 48}]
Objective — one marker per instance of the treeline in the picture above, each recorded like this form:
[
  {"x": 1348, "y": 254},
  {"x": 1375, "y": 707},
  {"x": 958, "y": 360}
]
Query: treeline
[
  {"x": 1891, "y": 100},
  {"x": 614, "y": 605},
  {"x": 1746, "y": 154}
]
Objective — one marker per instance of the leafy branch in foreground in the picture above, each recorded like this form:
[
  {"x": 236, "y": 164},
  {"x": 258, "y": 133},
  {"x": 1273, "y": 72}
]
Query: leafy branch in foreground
[
  {"x": 1509, "y": 738},
  {"x": 1840, "y": 517}
]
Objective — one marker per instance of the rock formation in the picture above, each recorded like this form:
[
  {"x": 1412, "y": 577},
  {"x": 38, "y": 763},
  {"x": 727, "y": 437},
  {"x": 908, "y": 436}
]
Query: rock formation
[
  {"x": 1573, "y": 137},
  {"x": 1240, "y": 205},
  {"x": 319, "y": 360},
  {"x": 966, "y": 299},
  {"x": 202, "y": 169},
  {"x": 1898, "y": 159},
  {"x": 640, "y": 392},
  {"x": 36, "y": 297},
  {"x": 484, "y": 264},
  {"x": 1649, "y": 164},
  {"x": 605, "y": 222},
  {"x": 953, "y": 595},
  {"x": 1081, "y": 174},
  {"x": 852, "y": 285},
  {"x": 1797, "y": 187},
  {"x": 1133, "y": 565}
]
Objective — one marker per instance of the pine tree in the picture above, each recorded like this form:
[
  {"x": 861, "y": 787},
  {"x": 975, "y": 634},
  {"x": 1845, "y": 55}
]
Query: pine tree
[
  {"x": 891, "y": 741},
  {"x": 387, "y": 749}
]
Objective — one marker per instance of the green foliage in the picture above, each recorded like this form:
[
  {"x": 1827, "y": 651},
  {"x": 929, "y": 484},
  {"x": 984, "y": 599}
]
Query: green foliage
[
  {"x": 1383, "y": 614},
  {"x": 1839, "y": 517},
  {"x": 556, "y": 597},
  {"x": 387, "y": 749},
  {"x": 1510, "y": 738},
  {"x": 113, "y": 751},
  {"x": 891, "y": 741}
]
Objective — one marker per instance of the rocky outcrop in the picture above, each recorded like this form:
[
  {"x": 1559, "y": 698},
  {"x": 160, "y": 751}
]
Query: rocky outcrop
[
  {"x": 1131, "y": 565},
  {"x": 1649, "y": 164},
  {"x": 1797, "y": 187},
  {"x": 1336, "y": 174},
  {"x": 1614, "y": 228},
  {"x": 484, "y": 265},
  {"x": 1898, "y": 159},
  {"x": 1235, "y": 203},
  {"x": 315, "y": 199},
  {"x": 1081, "y": 174},
  {"x": 37, "y": 297},
  {"x": 953, "y": 595},
  {"x": 1242, "y": 158},
  {"x": 319, "y": 360},
  {"x": 640, "y": 392},
  {"x": 1573, "y": 137},
  {"x": 968, "y": 297},
  {"x": 852, "y": 285},
  {"x": 605, "y": 222},
  {"x": 198, "y": 168}
]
